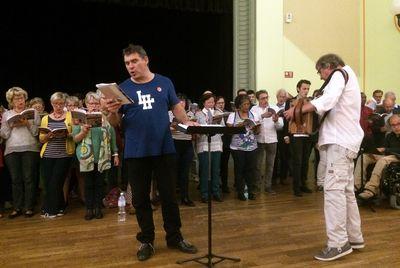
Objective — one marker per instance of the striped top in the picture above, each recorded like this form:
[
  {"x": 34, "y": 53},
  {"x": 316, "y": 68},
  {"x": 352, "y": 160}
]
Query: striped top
[{"x": 56, "y": 148}]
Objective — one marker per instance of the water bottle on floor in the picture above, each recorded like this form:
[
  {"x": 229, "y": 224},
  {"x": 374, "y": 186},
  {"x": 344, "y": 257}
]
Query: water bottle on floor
[
  {"x": 121, "y": 208},
  {"x": 246, "y": 192}
]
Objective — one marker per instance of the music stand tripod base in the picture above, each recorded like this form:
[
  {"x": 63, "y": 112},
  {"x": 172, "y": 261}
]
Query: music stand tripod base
[
  {"x": 209, "y": 259},
  {"x": 210, "y": 130}
]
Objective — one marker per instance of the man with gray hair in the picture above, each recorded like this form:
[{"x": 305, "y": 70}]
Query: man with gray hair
[{"x": 339, "y": 141}]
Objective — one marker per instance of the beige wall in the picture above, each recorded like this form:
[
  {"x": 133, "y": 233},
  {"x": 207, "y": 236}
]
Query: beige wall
[
  {"x": 319, "y": 27},
  {"x": 382, "y": 48},
  {"x": 325, "y": 26}
]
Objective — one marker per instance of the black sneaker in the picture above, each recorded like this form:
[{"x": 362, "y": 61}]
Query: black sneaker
[
  {"x": 226, "y": 190},
  {"x": 242, "y": 197},
  {"x": 145, "y": 251},
  {"x": 89, "y": 215},
  {"x": 252, "y": 196},
  {"x": 305, "y": 189},
  {"x": 187, "y": 202},
  {"x": 217, "y": 198},
  {"x": 184, "y": 246}
]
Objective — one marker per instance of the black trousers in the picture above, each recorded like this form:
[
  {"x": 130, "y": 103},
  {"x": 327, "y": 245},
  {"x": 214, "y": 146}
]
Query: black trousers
[
  {"x": 282, "y": 159},
  {"x": 300, "y": 152},
  {"x": 244, "y": 168},
  {"x": 54, "y": 172},
  {"x": 184, "y": 157},
  {"x": 94, "y": 190},
  {"x": 139, "y": 173}
]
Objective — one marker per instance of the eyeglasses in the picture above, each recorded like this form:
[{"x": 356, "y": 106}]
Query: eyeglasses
[
  {"x": 58, "y": 103},
  {"x": 264, "y": 98}
]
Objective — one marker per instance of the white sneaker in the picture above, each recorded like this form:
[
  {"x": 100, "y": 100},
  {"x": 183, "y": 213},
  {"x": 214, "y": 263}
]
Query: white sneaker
[
  {"x": 48, "y": 216},
  {"x": 357, "y": 245}
]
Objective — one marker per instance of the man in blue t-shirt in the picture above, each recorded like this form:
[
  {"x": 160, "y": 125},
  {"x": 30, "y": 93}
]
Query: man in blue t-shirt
[{"x": 149, "y": 148}]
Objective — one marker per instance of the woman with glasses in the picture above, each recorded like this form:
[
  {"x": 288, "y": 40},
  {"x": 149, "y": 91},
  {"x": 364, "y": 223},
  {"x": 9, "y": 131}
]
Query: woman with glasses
[
  {"x": 21, "y": 151},
  {"x": 57, "y": 151},
  {"x": 95, "y": 147}
]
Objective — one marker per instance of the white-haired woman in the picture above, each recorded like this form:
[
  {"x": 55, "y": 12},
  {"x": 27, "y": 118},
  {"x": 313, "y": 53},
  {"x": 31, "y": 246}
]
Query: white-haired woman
[
  {"x": 21, "y": 152},
  {"x": 95, "y": 147},
  {"x": 57, "y": 151}
]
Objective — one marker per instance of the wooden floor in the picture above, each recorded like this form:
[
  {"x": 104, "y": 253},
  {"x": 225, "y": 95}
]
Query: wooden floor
[{"x": 272, "y": 231}]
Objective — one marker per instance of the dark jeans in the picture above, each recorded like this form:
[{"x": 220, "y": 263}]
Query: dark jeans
[
  {"x": 139, "y": 173},
  {"x": 226, "y": 152},
  {"x": 244, "y": 169},
  {"x": 184, "y": 157},
  {"x": 94, "y": 190},
  {"x": 282, "y": 158},
  {"x": 54, "y": 172},
  {"x": 300, "y": 151},
  {"x": 22, "y": 167},
  {"x": 203, "y": 171}
]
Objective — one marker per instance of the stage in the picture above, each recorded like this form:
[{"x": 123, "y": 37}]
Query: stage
[{"x": 273, "y": 231}]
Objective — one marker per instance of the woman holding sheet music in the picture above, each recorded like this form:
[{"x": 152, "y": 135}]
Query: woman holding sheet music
[
  {"x": 21, "y": 151},
  {"x": 243, "y": 148},
  {"x": 57, "y": 151},
  {"x": 184, "y": 154},
  {"x": 205, "y": 116},
  {"x": 95, "y": 148}
]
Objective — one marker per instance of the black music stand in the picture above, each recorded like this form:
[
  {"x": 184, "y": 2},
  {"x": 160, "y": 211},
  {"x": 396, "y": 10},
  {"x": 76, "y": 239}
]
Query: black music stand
[{"x": 209, "y": 130}]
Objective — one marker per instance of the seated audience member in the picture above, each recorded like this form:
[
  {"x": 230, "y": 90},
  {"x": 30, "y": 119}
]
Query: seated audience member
[
  {"x": 266, "y": 139},
  {"x": 95, "y": 147},
  {"x": 366, "y": 112},
  {"x": 56, "y": 154},
  {"x": 184, "y": 155},
  {"x": 1, "y": 168},
  {"x": 386, "y": 111},
  {"x": 243, "y": 148},
  {"x": 21, "y": 152},
  {"x": 391, "y": 153},
  {"x": 205, "y": 116},
  {"x": 391, "y": 95},
  {"x": 376, "y": 99}
]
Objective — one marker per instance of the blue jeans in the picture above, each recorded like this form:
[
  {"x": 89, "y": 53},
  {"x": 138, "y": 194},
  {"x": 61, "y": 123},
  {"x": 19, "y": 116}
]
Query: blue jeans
[{"x": 215, "y": 178}]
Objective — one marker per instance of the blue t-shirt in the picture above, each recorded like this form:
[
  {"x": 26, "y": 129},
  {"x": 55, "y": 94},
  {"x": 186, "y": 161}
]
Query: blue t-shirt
[{"x": 146, "y": 121}]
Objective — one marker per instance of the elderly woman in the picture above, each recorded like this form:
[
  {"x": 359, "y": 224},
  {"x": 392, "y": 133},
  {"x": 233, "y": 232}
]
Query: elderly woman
[
  {"x": 243, "y": 148},
  {"x": 95, "y": 147},
  {"x": 21, "y": 151},
  {"x": 57, "y": 151}
]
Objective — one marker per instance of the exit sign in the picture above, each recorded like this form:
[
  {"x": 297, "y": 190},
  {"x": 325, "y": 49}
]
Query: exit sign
[{"x": 288, "y": 74}]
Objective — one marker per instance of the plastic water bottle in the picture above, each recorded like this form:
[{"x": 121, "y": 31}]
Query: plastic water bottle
[
  {"x": 246, "y": 192},
  {"x": 121, "y": 208}
]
